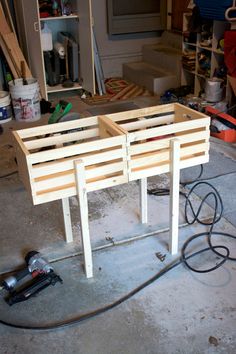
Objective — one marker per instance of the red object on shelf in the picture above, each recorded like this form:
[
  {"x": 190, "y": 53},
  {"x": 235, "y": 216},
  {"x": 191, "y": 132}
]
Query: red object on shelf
[
  {"x": 228, "y": 135},
  {"x": 230, "y": 52},
  {"x": 44, "y": 14}
]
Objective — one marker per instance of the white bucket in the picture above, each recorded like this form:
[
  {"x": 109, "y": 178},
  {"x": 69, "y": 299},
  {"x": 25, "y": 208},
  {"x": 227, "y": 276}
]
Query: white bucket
[
  {"x": 5, "y": 107},
  {"x": 214, "y": 90},
  {"x": 25, "y": 100}
]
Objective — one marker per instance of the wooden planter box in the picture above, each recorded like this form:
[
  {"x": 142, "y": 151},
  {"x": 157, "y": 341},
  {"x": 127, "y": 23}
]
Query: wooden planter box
[
  {"x": 61, "y": 160},
  {"x": 150, "y": 131},
  {"x": 46, "y": 156}
]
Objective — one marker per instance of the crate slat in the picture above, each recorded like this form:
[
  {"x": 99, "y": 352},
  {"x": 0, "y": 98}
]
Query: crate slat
[
  {"x": 165, "y": 142},
  {"x": 61, "y": 139},
  {"x": 142, "y": 112},
  {"x": 47, "y": 168},
  {"x": 156, "y": 157},
  {"x": 165, "y": 168},
  {"x": 169, "y": 129},
  {"x": 57, "y": 127},
  {"x": 76, "y": 149},
  {"x": 65, "y": 192},
  {"x": 150, "y": 122},
  {"x": 62, "y": 178},
  {"x": 109, "y": 182}
]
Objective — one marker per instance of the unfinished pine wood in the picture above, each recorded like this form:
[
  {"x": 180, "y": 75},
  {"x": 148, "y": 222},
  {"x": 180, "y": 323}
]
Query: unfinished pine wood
[
  {"x": 113, "y": 150},
  {"x": 83, "y": 206},
  {"x": 24, "y": 168},
  {"x": 52, "y": 166},
  {"x": 108, "y": 128},
  {"x": 9, "y": 17},
  {"x": 76, "y": 149},
  {"x": 143, "y": 200},
  {"x": 8, "y": 58},
  {"x": 10, "y": 45},
  {"x": 15, "y": 52},
  {"x": 151, "y": 122},
  {"x": 4, "y": 27},
  {"x": 142, "y": 112},
  {"x": 67, "y": 219},
  {"x": 165, "y": 142},
  {"x": 61, "y": 165},
  {"x": 163, "y": 155},
  {"x": 61, "y": 160},
  {"x": 59, "y": 139},
  {"x": 174, "y": 194},
  {"x": 169, "y": 129}
]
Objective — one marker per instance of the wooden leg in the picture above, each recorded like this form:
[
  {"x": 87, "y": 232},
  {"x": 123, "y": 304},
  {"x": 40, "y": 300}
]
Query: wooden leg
[
  {"x": 174, "y": 194},
  {"x": 67, "y": 219},
  {"x": 83, "y": 205},
  {"x": 143, "y": 200}
]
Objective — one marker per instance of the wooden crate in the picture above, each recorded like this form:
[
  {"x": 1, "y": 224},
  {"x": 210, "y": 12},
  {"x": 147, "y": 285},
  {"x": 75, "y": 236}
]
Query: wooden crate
[
  {"x": 150, "y": 131},
  {"x": 46, "y": 156}
]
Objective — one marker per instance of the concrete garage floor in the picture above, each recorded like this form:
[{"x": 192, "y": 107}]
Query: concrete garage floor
[{"x": 182, "y": 312}]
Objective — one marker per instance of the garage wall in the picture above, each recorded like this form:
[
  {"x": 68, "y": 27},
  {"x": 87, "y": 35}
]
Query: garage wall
[{"x": 116, "y": 50}]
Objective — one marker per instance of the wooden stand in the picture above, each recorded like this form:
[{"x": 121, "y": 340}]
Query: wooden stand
[{"x": 104, "y": 151}]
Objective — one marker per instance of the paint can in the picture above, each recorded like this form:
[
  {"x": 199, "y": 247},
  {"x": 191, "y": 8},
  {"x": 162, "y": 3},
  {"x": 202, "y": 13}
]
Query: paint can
[
  {"x": 25, "y": 99},
  {"x": 5, "y": 107}
]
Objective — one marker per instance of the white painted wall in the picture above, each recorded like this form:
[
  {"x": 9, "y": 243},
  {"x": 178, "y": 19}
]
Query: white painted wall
[{"x": 113, "y": 53}]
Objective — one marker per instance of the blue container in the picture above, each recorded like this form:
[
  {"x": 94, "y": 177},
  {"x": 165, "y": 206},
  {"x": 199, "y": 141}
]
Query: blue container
[
  {"x": 213, "y": 9},
  {"x": 5, "y": 107}
]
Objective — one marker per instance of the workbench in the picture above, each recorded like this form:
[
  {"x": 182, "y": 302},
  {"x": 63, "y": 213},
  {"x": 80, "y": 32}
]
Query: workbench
[{"x": 73, "y": 158}]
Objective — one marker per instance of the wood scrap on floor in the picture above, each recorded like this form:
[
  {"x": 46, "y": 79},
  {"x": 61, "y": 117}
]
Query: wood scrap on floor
[
  {"x": 9, "y": 44},
  {"x": 118, "y": 89}
]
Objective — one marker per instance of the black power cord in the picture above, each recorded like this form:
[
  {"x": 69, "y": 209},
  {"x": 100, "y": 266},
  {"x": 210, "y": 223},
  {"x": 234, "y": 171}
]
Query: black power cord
[
  {"x": 166, "y": 191},
  {"x": 218, "y": 210}
]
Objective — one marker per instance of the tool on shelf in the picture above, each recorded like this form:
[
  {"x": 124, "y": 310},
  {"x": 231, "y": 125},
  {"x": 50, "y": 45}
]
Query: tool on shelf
[{"x": 41, "y": 275}]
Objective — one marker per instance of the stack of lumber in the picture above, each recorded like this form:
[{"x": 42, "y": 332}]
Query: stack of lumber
[
  {"x": 10, "y": 45},
  {"x": 118, "y": 89}
]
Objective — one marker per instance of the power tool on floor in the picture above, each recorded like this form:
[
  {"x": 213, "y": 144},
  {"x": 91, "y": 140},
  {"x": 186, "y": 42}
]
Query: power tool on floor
[{"x": 41, "y": 275}]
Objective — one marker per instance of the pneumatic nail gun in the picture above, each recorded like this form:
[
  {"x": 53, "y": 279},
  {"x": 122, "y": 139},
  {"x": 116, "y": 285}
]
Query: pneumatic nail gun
[{"x": 41, "y": 275}]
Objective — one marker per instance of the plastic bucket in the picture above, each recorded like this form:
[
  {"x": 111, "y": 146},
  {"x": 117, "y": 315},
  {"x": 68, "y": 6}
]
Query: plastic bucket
[
  {"x": 25, "y": 100},
  {"x": 214, "y": 90},
  {"x": 5, "y": 107}
]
